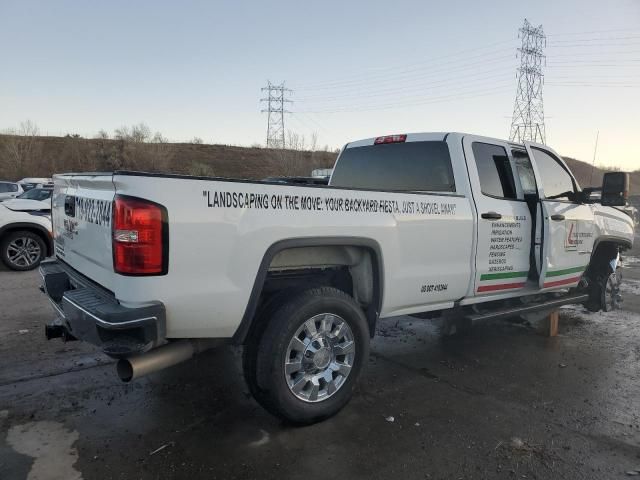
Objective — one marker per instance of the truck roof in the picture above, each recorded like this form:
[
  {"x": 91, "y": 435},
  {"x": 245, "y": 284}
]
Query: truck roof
[{"x": 425, "y": 136}]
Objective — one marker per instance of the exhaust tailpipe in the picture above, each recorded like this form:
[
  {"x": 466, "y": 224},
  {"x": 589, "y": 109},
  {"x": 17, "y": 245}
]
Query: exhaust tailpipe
[{"x": 166, "y": 356}]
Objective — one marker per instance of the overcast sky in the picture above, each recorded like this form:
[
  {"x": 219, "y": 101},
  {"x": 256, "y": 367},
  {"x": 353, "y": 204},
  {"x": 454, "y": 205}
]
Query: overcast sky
[{"x": 357, "y": 69}]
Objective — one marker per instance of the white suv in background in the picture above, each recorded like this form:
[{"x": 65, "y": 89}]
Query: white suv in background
[
  {"x": 25, "y": 235},
  {"x": 9, "y": 190}
]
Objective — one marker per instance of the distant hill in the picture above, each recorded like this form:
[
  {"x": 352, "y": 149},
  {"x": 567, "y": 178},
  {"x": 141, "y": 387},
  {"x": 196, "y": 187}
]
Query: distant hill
[
  {"x": 583, "y": 173},
  {"x": 37, "y": 156}
]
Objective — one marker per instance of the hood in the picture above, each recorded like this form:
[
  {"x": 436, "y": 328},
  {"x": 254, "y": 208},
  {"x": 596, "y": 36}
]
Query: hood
[{"x": 26, "y": 205}]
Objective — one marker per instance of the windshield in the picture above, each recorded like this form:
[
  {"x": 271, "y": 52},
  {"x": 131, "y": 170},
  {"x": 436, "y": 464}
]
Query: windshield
[{"x": 36, "y": 194}]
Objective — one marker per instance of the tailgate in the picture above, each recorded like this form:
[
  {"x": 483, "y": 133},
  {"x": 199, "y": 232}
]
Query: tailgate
[{"x": 81, "y": 215}]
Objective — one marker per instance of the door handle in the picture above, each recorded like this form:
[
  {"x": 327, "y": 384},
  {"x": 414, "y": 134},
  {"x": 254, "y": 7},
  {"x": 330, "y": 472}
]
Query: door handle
[
  {"x": 491, "y": 216},
  {"x": 557, "y": 217}
]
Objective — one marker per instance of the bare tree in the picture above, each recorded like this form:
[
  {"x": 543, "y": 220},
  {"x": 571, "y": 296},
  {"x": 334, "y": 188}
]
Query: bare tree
[
  {"x": 158, "y": 138},
  {"x": 159, "y": 153},
  {"x": 20, "y": 149},
  {"x": 139, "y": 133}
]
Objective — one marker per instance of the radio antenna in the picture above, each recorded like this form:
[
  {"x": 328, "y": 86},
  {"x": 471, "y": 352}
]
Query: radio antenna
[{"x": 593, "y": 164}]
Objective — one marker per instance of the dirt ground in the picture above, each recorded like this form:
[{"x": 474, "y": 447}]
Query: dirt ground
[{"x": 504, "y": 402}]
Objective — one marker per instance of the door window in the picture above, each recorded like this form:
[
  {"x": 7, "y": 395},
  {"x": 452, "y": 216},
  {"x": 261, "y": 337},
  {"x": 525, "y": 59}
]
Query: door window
[
  {"x": 494, "y": 170},
  {"x": 524, "y": 171},
  {"x": 556, "y": 181}
]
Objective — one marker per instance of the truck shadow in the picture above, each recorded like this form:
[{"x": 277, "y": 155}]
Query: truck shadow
[{"x": 200, "y": 412}]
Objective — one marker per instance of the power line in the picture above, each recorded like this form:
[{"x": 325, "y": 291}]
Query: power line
[
  {"x": 563, "y": 34},
  {"x": 418, "y": 101},
  {"x": 573, "y": 65},
  {"x": 415, "y": 87},
  {"x": 605, "y": 85},
  {"x": 408, "y": 74},
  {"x": 594, "y": 39},
  {"x": 583, "y": 46},
  {"x": 372, "y": 72},
  {"x": 275, "y": 113},
  {"x": 585, "y": 53},
  {"x": 528, "y": 112}
]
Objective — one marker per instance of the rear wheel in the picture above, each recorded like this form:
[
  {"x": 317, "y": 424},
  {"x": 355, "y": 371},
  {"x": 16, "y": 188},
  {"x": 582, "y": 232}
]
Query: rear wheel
[
  {"x": 309, "y": 355},
  {"x": 22, "y": 250}
]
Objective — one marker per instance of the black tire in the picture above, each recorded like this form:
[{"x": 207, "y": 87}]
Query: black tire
[
  {"x": 600, "y": 291},
  {"x": 9, "y": 241},
  {"x": 250, "y": 350},
  {"x": 266, "y": 352}
]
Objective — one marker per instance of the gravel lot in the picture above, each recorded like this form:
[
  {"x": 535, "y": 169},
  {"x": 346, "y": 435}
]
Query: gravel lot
[{"x": 504, "y": 402}]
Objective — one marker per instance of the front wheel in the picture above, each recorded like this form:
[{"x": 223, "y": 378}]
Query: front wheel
[
  {"x": 309, "y": 356},
  {"x": 22, "y": 250},
  {"x": 605, "y": 293}
]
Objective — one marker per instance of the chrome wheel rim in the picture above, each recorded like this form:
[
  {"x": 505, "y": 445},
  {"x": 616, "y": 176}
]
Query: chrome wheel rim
[
  {"x": 319, "y": 357},
  {"x": 23, "y": 252}
]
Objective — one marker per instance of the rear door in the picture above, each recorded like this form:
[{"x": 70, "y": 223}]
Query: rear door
[
  {"x": 567, "y": 225},
  {"x": 429, "y": 234},
  {"x": 81, "y": 216},
  {"x": 504, "y": 222}
]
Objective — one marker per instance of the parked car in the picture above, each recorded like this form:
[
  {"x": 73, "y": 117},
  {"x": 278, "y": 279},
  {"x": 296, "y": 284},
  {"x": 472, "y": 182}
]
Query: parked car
[
  {"x": 9, "y": 190},
  {"x": 154, "y": 268},
  {"x": 25, "y": 235},
  {"x": 36, "y": 199},
  {"x": 33, "y": 182}
]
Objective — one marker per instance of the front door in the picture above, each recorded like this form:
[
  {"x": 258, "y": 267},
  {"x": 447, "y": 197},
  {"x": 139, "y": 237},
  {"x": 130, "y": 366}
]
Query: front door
[
  {"x": 567, "y": 225},
  {"x": 504, "y": 223}
]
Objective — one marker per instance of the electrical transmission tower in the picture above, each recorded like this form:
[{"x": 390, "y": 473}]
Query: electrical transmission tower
[
  {"x": 528, "y": 113},
  {"x": 275, "y": 110}
]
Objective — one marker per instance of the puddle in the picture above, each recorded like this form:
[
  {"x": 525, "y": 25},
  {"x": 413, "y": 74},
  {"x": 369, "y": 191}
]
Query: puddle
[
  {"x": 630, "y": 286},
  {"x": 621, "y": 316},
  {"x": 50, "y": 444},
  {"x": 628, "y": 261}
]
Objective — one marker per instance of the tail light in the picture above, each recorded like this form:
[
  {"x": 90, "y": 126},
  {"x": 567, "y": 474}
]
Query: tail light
[
  {"x": 140, "y": 237},
  {"x": 390, "y": 139}
]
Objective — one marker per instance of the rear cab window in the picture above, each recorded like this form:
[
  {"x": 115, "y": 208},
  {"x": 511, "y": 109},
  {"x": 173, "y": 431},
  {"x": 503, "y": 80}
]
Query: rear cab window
[{"x": 419, "y": 166}]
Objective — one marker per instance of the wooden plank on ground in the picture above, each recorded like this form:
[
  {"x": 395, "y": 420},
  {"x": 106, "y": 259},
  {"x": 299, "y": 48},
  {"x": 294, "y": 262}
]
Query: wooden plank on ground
[{"x": 553, "y": 323}]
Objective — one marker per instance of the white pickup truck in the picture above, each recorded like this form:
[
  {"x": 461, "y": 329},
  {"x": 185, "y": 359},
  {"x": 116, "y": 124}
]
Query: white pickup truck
[{"x": 154, "y": 268}]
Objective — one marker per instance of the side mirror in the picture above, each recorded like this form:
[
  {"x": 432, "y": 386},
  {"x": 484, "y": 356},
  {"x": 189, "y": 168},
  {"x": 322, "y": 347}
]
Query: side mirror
[{"x": 615, "y": 189}]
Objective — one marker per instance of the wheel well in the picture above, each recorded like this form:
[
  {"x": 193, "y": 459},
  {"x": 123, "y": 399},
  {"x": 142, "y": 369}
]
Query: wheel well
[
  {"x": 44, "y": 236},
  {"x": 602, "y": 256},
  {"x": 352, "y": 268}
]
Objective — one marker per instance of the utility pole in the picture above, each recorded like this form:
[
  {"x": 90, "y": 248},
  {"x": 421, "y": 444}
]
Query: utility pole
[
  {"x": 275, "y": 110},
  {"x": 527, "y": 122}
]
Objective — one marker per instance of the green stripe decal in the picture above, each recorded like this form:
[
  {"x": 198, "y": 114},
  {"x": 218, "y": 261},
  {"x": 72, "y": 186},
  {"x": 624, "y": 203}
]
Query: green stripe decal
[
  {"x": 566, "y": 271},
  {"x": 497, "y": 276}
]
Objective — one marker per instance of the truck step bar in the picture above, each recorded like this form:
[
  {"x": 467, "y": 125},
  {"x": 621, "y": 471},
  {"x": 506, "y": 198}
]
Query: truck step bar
[{"x": 512, "y": 311}]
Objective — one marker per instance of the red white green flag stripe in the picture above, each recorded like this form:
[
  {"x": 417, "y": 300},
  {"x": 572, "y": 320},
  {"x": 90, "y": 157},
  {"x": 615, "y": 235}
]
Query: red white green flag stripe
[
  {"x": 564, "y": 277},
  {"x": 491, "y": 282}
]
